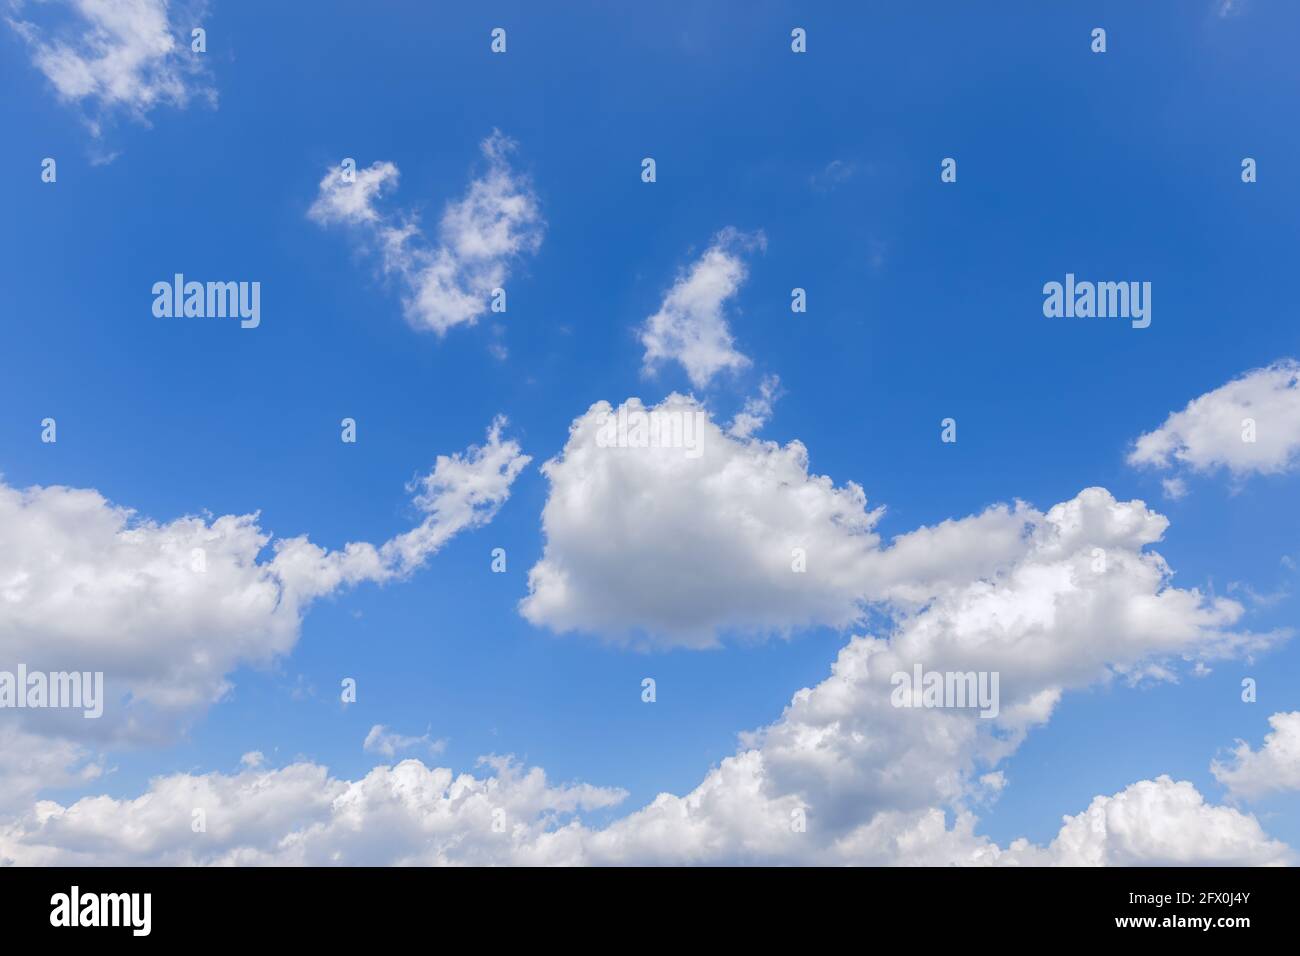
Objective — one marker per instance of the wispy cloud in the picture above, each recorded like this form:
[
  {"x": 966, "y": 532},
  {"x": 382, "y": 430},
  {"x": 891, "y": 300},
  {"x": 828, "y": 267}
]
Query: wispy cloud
[
  {"x": 128, "y": 56},
  {"x": 447, "y": 282},
  {"x": 833, "y": 174},
  {"x": 758, "y": 408},
  {"x": 387, "y": 743}
]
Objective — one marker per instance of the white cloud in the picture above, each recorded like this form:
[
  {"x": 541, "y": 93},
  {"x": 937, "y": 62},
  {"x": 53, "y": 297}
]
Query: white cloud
[
  {"x": 411, "y": 814},
  {"x": 30, "y": 761},
  {"x": 167, "y": 610},
  {"x": 353, "y": 203},
  {"x": 651, "y": 543},
  {"x": 691, "y": 325},
  {"x": 383, "y": 741},
  {"x": 874, "y": 782},
  {"x": 1050, "y": 600},
  {"x": 1163, "y": 822},
  {"x": 866, "y": 771},
  {"x": 1274, "y": 768},
  {"x": 405, "y": 814},
  {"x": 1212, "y": 431},
  {"x": 757, "y": 409},
  {"x": 834, "y": 174},
  {"x": 480, "y": 236},
  {"x": 128, "y": 55},
  {"x": 463, "y": 491},
  {"x": 654, "y": 546}
]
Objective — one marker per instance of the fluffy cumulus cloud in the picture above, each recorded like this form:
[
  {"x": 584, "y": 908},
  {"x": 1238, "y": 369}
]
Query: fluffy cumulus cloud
[
  {"x": 662, "y": 529},
  {"x": 844, "y": 775},
  {"x": 670, "y": 532},
  {"x": 448, "y": 281},
  {"x": 1249, "y": 426},
  {"x": 128, "y": 56},
  {"x": 299, "y": 814},
  {"x": 873, "y": 779},
  {"x": 167, "y": 610},
  {"x": 412, "y": 814},
  {"x": 1274, "y": 768},
  {"x": 1162, "y": 822},
  {"x": 731, "y": 820},
  {"x": 1048, "y": 601},
  {"x": 691, "y": 325}
]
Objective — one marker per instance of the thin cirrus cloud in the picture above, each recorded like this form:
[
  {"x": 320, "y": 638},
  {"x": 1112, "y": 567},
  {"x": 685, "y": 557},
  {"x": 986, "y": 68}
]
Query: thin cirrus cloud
[
  {"x": 167, "y": 610},
  {"x": 447, "y": 282},
  {"x": 128, "y": 57},
  {"x": 835, "y": 173},
  {"x": 1250, "y": 426},
  {"x": 388, "y": 743},
  {"x": 691, "y": 327}
]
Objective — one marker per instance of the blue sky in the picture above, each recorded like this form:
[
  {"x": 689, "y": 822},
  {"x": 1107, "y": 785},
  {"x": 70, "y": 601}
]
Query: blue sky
[{"x": 924, "y": 301}]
